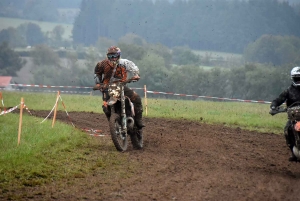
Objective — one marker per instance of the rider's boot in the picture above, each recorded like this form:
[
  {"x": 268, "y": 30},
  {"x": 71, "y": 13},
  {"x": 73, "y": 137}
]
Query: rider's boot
[
  {"x": 139, "y": 118},
  {"x": 106, "y": 111},
  {"x": 293, "y": 157},
  {"x": 287, "y": 138},
  {"x": 289, "y": 144}
]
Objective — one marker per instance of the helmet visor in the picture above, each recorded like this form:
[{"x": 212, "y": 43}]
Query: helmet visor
[
  {"x": 111, "y": 56},
  {"x": 296, "y": 80}
]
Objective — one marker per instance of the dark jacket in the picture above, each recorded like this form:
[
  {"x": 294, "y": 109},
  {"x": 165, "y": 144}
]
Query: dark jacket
[
  {"x": 104, "y": 70},
  {"x": 290, "y": 96}
]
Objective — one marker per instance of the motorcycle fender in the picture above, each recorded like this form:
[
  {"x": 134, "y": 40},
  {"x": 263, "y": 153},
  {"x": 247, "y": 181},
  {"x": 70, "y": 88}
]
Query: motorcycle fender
[
  {"x": 297, "y": 126},
  {"x": 112, "y": 101}
]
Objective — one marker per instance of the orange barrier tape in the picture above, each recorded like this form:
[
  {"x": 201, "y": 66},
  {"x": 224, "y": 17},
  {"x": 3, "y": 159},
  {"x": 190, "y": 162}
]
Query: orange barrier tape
[
  {"x": 98, "y": 135},
  {"x": 66, "y": 111},
  {"x": 91, "y": 130},
  {"x": 8, "y": 111},
  {"x": 27, "y": 109}
]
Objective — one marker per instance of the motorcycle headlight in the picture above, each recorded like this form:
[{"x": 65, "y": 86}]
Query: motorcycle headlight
[{"x": 114, "y": 90}]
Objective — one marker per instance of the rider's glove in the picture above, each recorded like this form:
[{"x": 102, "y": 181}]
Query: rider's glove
[
  {"x": 96, "y": 87},
  {"x": 273, "y": 110},
  {"x": 135, "y": 78},
  {"x": 100, "y": 87},
  {"x": 103, "y": 87}
]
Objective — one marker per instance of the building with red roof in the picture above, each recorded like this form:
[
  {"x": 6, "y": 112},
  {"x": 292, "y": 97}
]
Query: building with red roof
[{"x": 5, "y": 81}]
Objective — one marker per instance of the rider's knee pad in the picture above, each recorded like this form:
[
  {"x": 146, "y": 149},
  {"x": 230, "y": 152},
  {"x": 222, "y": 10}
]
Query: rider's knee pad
[
  {"x": 106, "y": 110},
  {"x": 286, "y": 132}
]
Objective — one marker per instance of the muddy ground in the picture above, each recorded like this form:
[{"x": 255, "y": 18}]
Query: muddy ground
[{"x": 184, "y": 160}]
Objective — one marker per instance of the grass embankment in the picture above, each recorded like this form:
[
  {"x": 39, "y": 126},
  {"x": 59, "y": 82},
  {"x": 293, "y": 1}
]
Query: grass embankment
[
  {"x": 46, "y": 154},
  {"x": 250, "y": 116}
]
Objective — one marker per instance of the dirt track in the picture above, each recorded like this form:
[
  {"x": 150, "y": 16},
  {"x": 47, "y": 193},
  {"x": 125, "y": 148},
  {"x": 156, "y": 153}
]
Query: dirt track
[{"x": 183, "y": 160}]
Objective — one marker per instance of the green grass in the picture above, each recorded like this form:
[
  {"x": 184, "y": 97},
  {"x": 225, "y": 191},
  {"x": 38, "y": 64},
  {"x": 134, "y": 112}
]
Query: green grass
[
  {"x": 250, "y": 116},
  {"x": 46, "y": 101},
  {"x": 47, "y": 154},
  {"x": 45, "y": 26},
  {"x": 63, "y": 152},
  {"x": 39, "y": 146}
]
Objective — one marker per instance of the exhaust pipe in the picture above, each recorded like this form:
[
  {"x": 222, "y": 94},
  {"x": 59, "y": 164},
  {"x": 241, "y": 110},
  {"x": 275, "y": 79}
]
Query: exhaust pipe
[{"x": 130, "y": 122}]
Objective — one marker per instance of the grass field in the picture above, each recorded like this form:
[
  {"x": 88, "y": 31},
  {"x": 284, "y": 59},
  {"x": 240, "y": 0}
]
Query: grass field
[
  {"x": 43, "y": 149},
  {"x": 45, "y": 26},
  {"x": 251, "y": 116}
]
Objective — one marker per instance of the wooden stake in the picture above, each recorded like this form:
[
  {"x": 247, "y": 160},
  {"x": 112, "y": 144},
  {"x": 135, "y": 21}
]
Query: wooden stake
[
  {"x": 55, "y": 110},
  {"x": 20, "y": 121},
  {"x": 146, "y": 104}
]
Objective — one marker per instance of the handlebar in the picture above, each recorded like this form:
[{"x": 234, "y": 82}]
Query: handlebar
[
  {"x": 284, "y": 109},
  {"x": 125, "y": 81},
  {"x": 116, "y": 81},
  {"x": 278, "y": 110}
]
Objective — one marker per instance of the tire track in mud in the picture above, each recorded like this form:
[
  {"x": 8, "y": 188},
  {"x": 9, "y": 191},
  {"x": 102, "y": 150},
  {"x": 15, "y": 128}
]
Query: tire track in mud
[{"x": 184, "y": 160}]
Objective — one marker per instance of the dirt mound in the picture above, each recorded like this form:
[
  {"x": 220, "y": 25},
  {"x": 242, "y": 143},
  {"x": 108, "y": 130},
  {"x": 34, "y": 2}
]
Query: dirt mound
[{"x": 184, "y": 160}]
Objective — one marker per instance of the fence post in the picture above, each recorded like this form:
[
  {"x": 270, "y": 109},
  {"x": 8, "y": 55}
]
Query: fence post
[
  {"x": 55, "y": 110},
  {"x": 20, "y": 121},
  {"x": 146, "y": 104}
]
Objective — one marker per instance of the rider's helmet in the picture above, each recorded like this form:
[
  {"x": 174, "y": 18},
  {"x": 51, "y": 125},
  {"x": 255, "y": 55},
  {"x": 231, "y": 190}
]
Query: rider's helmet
[
  {"x": 295, "y": 76},
  {"x": 113, "y": 53}
]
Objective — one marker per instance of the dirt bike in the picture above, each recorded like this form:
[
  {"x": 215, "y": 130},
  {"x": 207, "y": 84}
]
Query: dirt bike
[
  {"x": 121, "y": 121},
  {"x": 293, "y": 113}
]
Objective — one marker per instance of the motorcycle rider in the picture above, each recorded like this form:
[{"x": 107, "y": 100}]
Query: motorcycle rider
[
  {"x": 290, "y": 96},
  {"x": 114, "y": 68}
]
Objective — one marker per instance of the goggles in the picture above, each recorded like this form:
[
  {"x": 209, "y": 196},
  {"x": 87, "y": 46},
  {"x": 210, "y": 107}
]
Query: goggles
[{"x": 111, "y": 56}]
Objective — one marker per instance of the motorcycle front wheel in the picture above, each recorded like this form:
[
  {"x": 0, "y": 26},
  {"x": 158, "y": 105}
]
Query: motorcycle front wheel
[{"x": 120, "y": 140}]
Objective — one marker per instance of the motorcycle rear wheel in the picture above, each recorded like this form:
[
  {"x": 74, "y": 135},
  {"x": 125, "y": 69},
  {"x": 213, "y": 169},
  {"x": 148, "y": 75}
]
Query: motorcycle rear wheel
[{"x": 120, "y": 140}]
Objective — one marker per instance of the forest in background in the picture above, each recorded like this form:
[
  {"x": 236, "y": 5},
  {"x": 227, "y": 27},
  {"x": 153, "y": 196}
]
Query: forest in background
[
  {"x": 262, "y": 72},
  {"x": 227, "y": 26},
  {"x": 216, "y": 25}
]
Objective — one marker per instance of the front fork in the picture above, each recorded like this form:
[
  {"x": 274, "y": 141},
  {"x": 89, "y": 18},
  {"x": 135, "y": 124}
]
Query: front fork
[{"x": 123, "y": 112}]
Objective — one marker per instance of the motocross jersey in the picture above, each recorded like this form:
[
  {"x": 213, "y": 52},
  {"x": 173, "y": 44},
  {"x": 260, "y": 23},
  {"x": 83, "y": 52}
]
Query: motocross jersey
[
  {"x": 290, "y": 95},
  {"x": 105, "y": 69}
]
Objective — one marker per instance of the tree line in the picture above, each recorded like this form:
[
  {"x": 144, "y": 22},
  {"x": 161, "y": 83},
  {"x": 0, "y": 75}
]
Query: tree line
[
  {"x": 30, "y": 34},
  {"x": 227, "y": 26},
  {"x": 39, "y": 10},
  {"x": 249, "y": 81},
  {"x": 261, "y": 74}
]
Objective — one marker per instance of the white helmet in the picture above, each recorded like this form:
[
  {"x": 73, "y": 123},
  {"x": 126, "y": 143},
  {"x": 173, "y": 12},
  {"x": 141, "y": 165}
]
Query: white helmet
[{"x": 295, "y": 76}]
